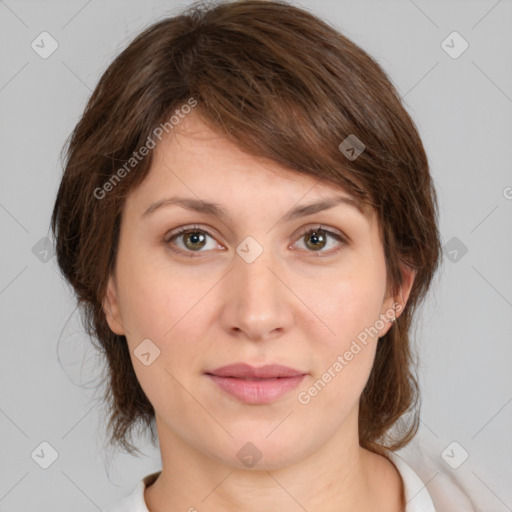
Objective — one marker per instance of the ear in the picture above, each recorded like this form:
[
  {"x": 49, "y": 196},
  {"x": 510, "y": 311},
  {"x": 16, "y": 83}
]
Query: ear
[
  {"x": 408, "y": 274},
  {"x": 111, "y": 308},
  {"x": 397, "y": 303}
]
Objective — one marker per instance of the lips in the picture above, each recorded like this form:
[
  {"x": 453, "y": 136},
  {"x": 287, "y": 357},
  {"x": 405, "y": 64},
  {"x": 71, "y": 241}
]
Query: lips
[
  {"x": 256, "y": 385},
  {"x": 246, "y": 371}
]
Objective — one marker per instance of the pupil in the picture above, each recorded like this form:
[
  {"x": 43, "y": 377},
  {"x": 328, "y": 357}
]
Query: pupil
[
  {"x": 195, "y": 238},
  {"x": 316, "y": 237}
]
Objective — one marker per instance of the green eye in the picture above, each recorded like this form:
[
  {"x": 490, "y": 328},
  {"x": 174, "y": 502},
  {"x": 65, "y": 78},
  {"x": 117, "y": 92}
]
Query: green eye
[
  {"x": 318, "y": 239},
  {"x": 194, "y": 239}
]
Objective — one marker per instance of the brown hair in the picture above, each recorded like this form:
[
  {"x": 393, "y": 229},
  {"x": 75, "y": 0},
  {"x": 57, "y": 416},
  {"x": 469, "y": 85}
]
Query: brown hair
[{"x": 283, "y": 85}]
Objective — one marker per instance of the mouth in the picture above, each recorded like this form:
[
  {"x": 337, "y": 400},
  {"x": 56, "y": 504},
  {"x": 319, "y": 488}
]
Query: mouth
[{"x": 256, "y": 385}]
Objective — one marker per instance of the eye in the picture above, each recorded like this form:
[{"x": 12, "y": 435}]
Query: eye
[
  {"x": 194, "y": 239},
  {"x": 318, "y": 238}
]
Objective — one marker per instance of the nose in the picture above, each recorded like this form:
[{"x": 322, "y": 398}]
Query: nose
[{"x": 257, "y": 304}]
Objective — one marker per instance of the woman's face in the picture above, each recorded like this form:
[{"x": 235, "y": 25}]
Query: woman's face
[{"x": 250, "y": 286}]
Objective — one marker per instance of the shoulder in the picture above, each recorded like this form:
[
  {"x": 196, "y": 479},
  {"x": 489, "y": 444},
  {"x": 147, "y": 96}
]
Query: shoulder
[
  {"x": 427, "y": 478},
  {"x": 134, "y": 502},
  {"x": 417, "y": 496}
]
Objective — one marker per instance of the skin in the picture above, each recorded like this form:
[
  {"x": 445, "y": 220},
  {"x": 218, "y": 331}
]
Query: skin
[{"x": 290, "y": 306}]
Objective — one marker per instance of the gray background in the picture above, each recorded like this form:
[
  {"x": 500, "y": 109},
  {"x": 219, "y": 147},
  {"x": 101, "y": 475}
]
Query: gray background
[{"x": 462, "y": 107}]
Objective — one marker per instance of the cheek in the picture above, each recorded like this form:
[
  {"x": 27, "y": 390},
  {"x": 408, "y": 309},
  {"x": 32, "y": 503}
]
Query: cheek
[
  {"x": 157, "y": 309},
  {"x": 154, "y": 296},
  {"x": 144, "y": 307},
  {"x": 167, "y": 309},
  {"x": 343, "y": 361},
  {"x": 350, "y": 309},
  {"x": 352, "y": 305}
]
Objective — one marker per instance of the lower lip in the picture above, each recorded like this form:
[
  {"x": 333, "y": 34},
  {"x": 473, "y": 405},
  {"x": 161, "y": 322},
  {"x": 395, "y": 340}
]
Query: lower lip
[{"x": 263, "y": 391}]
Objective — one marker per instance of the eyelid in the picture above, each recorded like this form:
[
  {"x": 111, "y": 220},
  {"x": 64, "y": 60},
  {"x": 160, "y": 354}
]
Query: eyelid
[
  {"x": 326, "y": 229},
  {"x": 186, "y": 229}
]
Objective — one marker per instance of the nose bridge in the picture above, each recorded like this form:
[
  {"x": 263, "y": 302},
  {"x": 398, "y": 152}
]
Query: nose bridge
[
  {"x": 252, "y": 269},
  {"x": 256, "y": 303}
]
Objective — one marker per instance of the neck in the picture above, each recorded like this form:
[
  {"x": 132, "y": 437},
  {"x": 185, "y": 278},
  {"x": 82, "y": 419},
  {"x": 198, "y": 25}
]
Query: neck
[{"x": 339, "y": 476}]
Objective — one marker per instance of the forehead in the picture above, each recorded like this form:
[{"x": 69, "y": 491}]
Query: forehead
[
  {"x": 207, "y": 154},
  {"x": 204, "y": 165}
]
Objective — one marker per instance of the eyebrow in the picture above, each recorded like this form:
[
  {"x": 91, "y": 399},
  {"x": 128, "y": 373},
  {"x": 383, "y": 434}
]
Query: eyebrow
[{"x": 214, "y": 209}]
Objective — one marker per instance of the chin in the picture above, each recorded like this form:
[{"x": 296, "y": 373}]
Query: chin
[{"x": 259, "y": 452}]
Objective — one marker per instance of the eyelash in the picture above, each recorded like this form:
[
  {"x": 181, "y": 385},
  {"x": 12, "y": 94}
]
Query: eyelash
[{"x": 193, "y": 254}]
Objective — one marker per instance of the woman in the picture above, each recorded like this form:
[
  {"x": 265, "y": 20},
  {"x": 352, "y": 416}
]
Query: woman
[{"x": 249, "y": 223}]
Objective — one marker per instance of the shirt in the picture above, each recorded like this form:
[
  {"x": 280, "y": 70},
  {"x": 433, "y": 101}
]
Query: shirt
[{"x": 417, "y": 497}]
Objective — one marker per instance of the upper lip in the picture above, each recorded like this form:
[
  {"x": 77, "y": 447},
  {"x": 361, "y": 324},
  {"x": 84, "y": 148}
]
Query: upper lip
[{"x": 244, "y": 370}]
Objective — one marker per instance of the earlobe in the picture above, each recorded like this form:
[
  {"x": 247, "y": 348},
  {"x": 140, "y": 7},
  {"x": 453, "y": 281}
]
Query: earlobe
[{"x": 111, "y": 308}]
